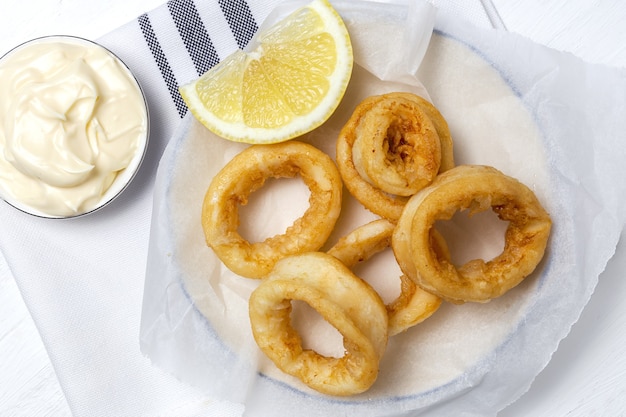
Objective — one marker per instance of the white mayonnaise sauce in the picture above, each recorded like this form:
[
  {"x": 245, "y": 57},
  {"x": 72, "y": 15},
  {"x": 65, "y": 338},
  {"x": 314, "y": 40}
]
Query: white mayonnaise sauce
[{"x": 72, "y": 117}]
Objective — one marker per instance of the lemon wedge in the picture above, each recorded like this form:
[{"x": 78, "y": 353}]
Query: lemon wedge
[{"x": 289, "y": 83}]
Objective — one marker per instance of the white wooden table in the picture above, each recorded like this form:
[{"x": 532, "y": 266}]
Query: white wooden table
[{"x": 587, "y": 375}]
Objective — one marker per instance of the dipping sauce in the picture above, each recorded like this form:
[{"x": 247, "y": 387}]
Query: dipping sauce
[{"x": 72, "y": 120}]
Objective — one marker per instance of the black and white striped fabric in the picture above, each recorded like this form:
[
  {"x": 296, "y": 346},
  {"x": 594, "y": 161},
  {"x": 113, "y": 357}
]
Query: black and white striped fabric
[
  {"x": 195, "y": 36},
  {"x": 179, "y": 41},
  {"x": 176, "y": 43}
]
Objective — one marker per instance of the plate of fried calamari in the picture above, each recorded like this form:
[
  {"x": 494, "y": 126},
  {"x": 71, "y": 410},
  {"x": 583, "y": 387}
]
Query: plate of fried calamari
[{"x": 416, "y": 253}]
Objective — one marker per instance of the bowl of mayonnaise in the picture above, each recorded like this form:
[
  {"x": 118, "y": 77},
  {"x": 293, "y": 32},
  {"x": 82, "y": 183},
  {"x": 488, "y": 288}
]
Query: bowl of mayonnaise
[{"x": 74, "y": 126}]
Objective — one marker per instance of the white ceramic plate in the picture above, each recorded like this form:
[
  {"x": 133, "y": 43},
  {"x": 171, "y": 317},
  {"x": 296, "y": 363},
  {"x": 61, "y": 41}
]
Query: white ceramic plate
[{"x": 473, "y": 358}]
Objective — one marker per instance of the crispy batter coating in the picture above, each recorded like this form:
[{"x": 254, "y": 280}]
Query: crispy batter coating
[
  {"x": 246, "y": 173},
  {"x": 476, "y": 188},
  {"x": 413, "y": 305},
  {"x": 344, "y": 300},
  {"x": 392, "y": 146}
]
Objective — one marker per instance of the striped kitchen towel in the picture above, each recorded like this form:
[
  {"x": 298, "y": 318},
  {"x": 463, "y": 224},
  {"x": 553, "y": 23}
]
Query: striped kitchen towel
[{"x": 180, "y": 41}]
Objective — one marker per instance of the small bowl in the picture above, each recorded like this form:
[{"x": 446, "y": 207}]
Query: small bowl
[{"x": 124, "y": 176}]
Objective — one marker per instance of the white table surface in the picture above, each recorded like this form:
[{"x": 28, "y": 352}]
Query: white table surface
[{"x": 587, "y": 375}]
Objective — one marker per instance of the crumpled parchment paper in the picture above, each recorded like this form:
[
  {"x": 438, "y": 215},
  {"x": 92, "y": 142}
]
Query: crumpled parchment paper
[{"x": 543, "y": 117}]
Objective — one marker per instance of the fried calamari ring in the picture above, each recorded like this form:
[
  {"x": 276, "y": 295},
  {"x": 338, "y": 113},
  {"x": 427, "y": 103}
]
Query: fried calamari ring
[
  {"x": 413, "y": 305},
  {"x": 441, "y": 126},
  {"x": 392, "y": 146},
  {"x": 396, "y": 147},
  {"x": 344, "y": 300},
  {"x": 476, "y": 188},
  {"x": 246, "y": 173}
]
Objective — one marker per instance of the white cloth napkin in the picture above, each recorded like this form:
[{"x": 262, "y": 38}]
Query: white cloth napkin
[{"x": 82, "y": 279}]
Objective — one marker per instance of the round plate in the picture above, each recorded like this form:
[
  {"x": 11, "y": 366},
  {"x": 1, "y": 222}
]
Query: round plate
[{"x": 473, "y": 357}]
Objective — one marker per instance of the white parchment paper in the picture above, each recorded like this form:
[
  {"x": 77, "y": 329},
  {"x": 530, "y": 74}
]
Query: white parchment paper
[{"x": 544, "y": 117}]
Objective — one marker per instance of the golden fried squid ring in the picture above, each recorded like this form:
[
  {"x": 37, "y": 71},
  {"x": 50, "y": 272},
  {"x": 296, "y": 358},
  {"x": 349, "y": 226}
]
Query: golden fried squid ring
[
  {"x": 344, "y": 300},
  {"x": 246, "y": 173},
  {"x": 476, "y": 188},
  {"x": 392, "y": 146},
  {"x": 413, "y": 305}
]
